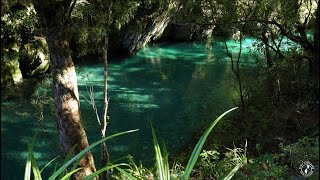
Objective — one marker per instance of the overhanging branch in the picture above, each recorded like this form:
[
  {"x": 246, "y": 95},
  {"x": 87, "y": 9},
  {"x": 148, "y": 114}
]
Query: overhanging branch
[{"x": 285, "y": 31}]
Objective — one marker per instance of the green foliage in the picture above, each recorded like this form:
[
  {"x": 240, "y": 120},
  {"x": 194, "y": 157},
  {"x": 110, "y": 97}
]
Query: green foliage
[
  {"x": 236, "y": 159},
  {"x": 213, "y": 165},
  {"x": 24, "y": 50},
  {"x": 126, "y": 174},
  {"x": 162, "y": 158},
  {"x": 103, "y": 169},
  {"x": 281, "y": 107},
  {"x": 307, "y": 148},
  {"x": 262, "y": 167},
  {"x": 210, "y": 155},
  {"x": 41, "y": 98},
  {"x": 285, "y": 164},
  {"x": 123, "y": 12},
  {"x": 19, "y": 25},
  {"x": 75, "y": 158},
  {"x": 194, "y": 156},
  {"x": 66, "y": 159},
  {"x": 90, "y": 25},
  {"x": 31, "y": 161},
  {"x": 134, "y": 172}
]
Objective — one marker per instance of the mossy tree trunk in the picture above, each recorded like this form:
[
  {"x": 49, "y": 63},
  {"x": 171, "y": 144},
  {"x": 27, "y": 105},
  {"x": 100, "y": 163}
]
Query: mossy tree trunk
[{"x": 54, "y": 17}]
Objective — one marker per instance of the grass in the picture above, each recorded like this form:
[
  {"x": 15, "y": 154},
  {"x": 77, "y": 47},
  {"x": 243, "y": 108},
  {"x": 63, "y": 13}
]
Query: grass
[
  {"x": 161, "y": 154},
  {"x": 32, "y": 164},
  {"x": 163, "y": 169}
]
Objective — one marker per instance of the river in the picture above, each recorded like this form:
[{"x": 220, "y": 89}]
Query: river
[{"x": 176, "y": 87}]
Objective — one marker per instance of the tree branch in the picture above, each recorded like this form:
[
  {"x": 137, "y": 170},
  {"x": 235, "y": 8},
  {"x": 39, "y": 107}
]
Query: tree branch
[
  {"x": 71, "y": 9},
  {"x": 301, "y": 40}
]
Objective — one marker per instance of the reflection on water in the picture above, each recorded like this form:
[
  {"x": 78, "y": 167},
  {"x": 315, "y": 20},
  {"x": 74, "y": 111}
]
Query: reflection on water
[{"x": 176, "y": 87}]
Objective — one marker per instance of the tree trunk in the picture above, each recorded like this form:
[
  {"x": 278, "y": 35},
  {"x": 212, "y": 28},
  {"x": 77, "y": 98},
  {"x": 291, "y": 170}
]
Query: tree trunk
[
  {"x": 67, "y": 104},
  {"x": 265, "y": 40},
  {"x": 104, "y": 150},
  {"x": 54, "y": 16},
  {"x": 138, "y": 33}
]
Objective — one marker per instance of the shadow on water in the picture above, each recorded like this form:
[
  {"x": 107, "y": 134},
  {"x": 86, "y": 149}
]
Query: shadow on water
[
  {"x": 176, "y": 87},
  {"x": 18, "y": 126}
]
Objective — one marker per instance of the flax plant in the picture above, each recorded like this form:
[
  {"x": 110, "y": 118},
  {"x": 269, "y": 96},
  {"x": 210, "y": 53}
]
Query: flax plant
[{"x": 62, "y": 173}]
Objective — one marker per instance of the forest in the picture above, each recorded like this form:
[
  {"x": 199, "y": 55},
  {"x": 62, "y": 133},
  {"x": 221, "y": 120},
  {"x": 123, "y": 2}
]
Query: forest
[{"x": 160, "y": 89}]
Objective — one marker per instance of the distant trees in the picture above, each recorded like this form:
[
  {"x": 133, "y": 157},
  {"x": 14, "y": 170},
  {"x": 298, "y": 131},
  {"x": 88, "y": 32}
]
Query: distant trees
[
  {"x": 23, "y": 51},
  {"x": 266, "y": 20},
  {"x": 270, "y": 21}
]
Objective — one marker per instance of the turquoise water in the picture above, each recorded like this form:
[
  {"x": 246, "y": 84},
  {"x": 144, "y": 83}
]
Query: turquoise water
[{"x": 177, "y": 87}]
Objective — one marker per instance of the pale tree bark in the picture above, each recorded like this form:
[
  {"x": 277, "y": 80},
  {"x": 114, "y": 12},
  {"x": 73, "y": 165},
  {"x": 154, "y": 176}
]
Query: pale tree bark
[
  {"x": 54, "y": 17},
  {"x": 105, "y": 8},
  {"x": 104, "y": 150}
]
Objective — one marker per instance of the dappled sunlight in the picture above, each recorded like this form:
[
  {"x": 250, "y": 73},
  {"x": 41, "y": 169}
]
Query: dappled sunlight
[
  {"x": 177, "y": 87},
  {"x": 19, "y": 124},
  {"x": 177, "y": 51},
  {"x": 198, "y": 52}
]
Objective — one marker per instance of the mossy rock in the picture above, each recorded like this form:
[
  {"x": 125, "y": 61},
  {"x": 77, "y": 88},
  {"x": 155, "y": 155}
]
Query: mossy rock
[
  {"x": 35, "y": 58},
  {"x": 10, "y": 71}
]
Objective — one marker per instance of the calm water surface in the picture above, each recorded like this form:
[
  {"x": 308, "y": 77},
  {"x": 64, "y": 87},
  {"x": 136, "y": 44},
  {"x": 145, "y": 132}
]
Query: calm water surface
[{"x": 174, "y": 86}]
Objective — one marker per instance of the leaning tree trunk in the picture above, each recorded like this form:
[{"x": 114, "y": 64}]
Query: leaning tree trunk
[
  {"x": 67, "y": 104},
  {"x": 54, "y": 16},
  {"x": 137, "y": 34}
]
